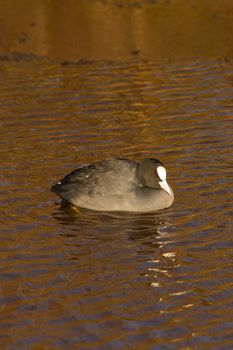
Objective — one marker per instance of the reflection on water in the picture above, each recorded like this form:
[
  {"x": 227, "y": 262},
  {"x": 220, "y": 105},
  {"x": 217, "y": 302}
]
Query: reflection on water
[
  {"x": 74, "y": 278},
  {"x": 82, "y": 218},
  {"x": 77, "y": 279},
  {"x": 122, "y": 29}
]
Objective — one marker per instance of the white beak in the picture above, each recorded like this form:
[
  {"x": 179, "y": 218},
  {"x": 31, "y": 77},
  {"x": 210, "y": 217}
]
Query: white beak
[{"x": 165, "y": 186}]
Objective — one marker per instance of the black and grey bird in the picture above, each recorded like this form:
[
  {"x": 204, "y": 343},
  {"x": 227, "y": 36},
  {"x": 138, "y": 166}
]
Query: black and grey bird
[{"x": 117, "y": 184}]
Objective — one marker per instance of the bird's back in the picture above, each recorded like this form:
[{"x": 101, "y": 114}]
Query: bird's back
[{"x": 111, "y": 177}]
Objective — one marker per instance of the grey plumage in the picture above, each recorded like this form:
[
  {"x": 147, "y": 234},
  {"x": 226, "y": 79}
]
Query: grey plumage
[{"x": 115, "y": 184}]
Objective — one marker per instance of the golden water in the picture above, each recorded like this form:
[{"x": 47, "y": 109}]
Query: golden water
[{"x": 76, "y": 279}]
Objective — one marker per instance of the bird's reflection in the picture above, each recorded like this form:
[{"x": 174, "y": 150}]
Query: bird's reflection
[
  {"x": 124, "y": 234},
  {"x": 138, "y": 226}
]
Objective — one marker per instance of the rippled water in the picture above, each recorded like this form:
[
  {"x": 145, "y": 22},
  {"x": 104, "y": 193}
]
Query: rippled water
[{"x": 76, "y": 279}]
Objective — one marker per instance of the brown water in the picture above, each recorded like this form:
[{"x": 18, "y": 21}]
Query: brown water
[{"x": 79, "y": 279}]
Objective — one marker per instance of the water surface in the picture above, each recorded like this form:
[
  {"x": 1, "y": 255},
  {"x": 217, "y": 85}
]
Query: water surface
[{"x": 79, "y": 279}]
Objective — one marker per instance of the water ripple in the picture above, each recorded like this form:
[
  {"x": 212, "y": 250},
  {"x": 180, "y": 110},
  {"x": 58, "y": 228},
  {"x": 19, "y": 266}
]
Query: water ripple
[{"x": 73, "y": 278}]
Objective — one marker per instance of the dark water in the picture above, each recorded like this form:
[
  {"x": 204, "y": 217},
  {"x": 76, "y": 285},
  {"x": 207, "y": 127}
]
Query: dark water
[{"x": 79, "y": 279}]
